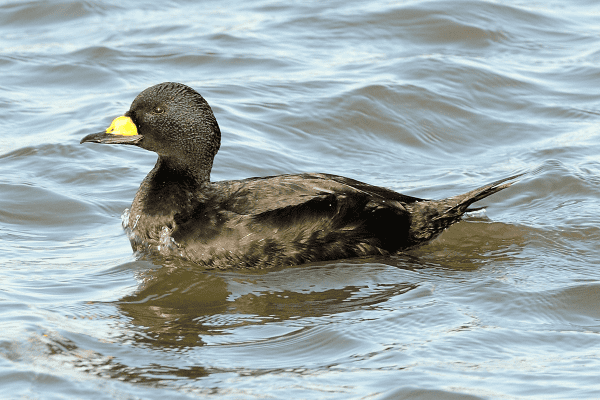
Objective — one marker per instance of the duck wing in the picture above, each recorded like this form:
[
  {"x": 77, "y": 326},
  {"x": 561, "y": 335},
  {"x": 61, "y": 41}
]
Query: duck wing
[
  {"x": 292, "y": 219},
  {"x": 264, "y": 195}
]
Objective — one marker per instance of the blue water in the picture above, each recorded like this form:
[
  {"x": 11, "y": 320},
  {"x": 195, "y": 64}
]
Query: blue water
[{"x": 430, "y": 98}]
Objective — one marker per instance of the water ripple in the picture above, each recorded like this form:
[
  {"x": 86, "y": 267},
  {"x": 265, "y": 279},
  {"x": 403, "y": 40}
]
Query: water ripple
[{"x": 428, "y": 98}]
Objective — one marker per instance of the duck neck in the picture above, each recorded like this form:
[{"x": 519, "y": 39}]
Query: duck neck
[{"x": 169, "y": 169}]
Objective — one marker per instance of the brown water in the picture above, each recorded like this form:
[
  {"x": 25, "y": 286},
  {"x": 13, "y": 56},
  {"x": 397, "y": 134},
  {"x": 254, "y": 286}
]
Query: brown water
[{"x": 430, "y": 98}]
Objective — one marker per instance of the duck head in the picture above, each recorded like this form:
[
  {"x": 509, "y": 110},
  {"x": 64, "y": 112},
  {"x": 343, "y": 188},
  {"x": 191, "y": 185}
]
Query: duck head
[{"x": 172, "y": 120}]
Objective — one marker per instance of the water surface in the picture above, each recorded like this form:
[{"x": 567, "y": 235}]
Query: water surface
[{"x": 430, "y": 98}]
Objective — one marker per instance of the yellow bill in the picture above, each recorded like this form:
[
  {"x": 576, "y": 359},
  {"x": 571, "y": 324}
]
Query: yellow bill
[
  {"x": 122, "y": 126},
  {"x": 121, "y": 131}
]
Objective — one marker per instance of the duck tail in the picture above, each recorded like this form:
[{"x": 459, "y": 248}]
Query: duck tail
[
  {"x": 458, "y": 205},
  {"x": 430, "y": 217}
]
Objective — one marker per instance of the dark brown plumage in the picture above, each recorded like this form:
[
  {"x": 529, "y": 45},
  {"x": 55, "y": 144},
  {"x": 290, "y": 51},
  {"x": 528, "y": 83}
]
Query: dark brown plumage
[{"x": 259, "y": 222}]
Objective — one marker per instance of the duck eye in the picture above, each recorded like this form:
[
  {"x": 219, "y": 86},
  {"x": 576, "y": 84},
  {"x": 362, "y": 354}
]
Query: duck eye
[{"x": 158, "y": 110}]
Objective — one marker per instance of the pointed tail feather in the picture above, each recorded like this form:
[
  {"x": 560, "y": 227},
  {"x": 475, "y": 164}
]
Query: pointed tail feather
[
  {"x": 429, "y": 218},
  {"x": 458, "y": 205}
]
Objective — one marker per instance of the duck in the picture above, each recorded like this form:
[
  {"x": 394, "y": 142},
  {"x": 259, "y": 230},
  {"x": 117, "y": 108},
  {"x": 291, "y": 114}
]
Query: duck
[{"x": 258, "y": 222}]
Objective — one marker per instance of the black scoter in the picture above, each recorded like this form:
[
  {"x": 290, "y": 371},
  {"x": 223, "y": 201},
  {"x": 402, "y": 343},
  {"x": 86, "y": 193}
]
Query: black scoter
[{"x": 259, "y": 222}]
